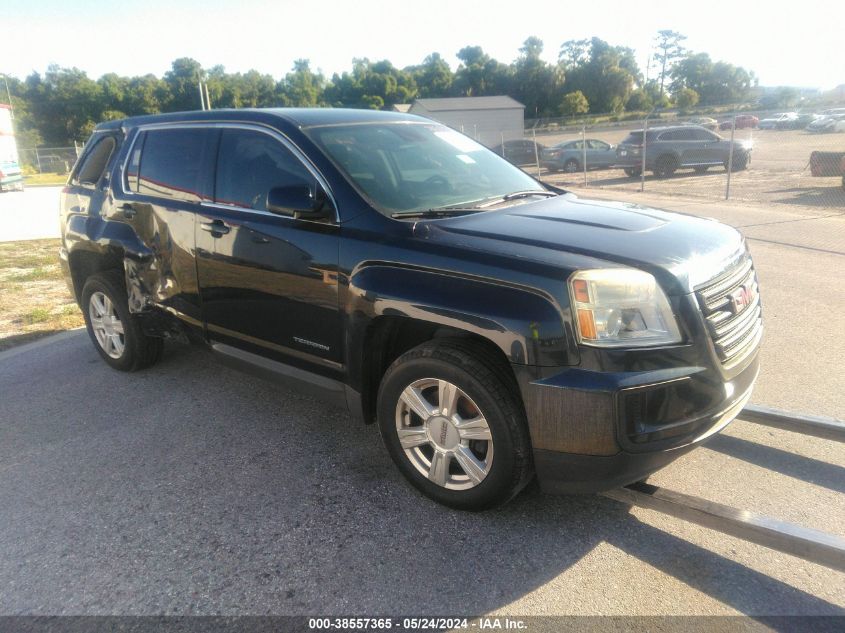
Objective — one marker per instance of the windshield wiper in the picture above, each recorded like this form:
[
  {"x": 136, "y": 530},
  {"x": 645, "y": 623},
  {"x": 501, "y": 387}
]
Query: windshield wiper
[
  {"x": 444, "y": 212},
  {"x": 515, "y": 195},
  {"x": 527, "y": 194}
]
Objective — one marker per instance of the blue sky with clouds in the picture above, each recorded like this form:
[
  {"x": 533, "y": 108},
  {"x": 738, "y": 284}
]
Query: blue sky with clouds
[{"x": 784, "y": 43}]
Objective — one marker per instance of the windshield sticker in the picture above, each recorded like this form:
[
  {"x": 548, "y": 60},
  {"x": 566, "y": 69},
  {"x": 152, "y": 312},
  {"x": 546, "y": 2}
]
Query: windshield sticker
[{"x": 459, "y": 141}]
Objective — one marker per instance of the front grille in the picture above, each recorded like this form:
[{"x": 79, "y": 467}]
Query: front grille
[{"x": 731, "y": 306}]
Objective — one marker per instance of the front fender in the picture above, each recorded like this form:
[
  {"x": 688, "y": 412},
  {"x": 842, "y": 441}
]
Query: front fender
[{"x": 523, "y": 322}]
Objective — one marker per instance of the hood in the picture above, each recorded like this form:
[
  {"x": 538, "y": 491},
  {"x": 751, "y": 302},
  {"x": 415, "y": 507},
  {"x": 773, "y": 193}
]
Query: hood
[{"x": 682, "y": 251}]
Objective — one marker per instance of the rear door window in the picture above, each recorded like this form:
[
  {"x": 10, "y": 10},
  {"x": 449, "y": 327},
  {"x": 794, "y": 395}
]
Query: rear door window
[
  {"x": 704, "y": 135},
  {"x": 175, "y": 164},
  {"x": 678, "y": 135}
]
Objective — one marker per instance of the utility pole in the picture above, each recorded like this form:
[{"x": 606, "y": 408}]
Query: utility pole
[{"x": 202, "y": 98}]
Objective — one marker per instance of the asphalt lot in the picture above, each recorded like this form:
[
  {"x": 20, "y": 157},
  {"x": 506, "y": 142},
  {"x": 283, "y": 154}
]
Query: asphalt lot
[{"x": 192, "y": 489}]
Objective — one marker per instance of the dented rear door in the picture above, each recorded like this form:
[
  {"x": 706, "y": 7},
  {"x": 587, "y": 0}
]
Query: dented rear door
[{"x": 168, "y": 174}]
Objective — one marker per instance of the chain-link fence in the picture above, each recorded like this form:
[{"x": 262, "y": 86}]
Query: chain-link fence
[
  {"x": 773, "y": 159},
  {"x": 48, "y": 160}
]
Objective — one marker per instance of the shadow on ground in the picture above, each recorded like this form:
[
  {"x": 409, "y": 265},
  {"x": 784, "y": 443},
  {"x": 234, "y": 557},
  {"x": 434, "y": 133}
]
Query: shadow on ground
[{"x": 832, "y": 196}]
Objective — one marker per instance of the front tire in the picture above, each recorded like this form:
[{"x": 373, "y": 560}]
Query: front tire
[
  {"x": 115, "y": 331},
  {"x": 452, "y": 421},
  {"x": 740, "y": 162},
  {"x": 571, "y": 166},
  {"x": 633, "y": 172}
]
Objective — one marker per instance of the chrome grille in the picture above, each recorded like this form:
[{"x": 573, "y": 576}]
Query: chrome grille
[{"x": 731, "y": 306}]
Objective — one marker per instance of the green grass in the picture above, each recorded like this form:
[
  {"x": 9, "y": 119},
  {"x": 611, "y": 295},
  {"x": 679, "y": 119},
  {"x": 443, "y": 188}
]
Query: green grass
[
  {"x": 45, "y": 179},
  {"x": 37, "y": 274},
  {"x": 30, "y": 254},
  {"x": 37, "y": 315},
  {"x": 34, "y": 299}
]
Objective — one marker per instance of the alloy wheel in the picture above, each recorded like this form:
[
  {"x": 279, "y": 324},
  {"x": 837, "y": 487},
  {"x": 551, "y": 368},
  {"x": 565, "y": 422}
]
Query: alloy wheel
[
  {"x": 444, "y": 434},
  {"x": 107, "y": 327}
]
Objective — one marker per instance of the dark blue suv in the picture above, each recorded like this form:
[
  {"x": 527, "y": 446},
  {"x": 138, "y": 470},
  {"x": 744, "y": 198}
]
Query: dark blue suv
[
  {"x": 494, "y": 328},
  {"x": 668, "y": 149}
]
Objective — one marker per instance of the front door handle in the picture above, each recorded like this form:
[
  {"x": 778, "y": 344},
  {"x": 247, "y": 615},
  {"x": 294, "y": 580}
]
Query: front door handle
[{"x": 215, "y": 227}]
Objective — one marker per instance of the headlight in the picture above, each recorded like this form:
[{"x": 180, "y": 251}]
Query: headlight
[{"x": 621, "y": 307}]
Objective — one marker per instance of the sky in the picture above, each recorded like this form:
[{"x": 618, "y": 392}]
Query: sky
[{"x": 796, "y": 44}]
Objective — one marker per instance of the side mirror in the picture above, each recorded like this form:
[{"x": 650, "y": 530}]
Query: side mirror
[{"x": 297, "y": 201}]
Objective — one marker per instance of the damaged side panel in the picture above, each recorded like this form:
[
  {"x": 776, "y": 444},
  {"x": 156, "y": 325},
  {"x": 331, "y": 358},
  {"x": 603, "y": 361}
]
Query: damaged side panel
[
  {"x": 161, "y": 271},
  {"x": 167, "y": 175}
]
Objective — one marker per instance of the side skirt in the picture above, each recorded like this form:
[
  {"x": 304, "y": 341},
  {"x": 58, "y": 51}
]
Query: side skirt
[{"x": 326, "y": 389}]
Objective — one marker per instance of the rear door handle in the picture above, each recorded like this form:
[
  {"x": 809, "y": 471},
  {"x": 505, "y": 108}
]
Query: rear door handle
[{"x": 215, "y": 227}]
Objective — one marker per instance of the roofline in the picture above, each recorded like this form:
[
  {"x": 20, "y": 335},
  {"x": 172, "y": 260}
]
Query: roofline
[
  {"x": 287, "y": 115},
  {"x": 474, "y": 109}
]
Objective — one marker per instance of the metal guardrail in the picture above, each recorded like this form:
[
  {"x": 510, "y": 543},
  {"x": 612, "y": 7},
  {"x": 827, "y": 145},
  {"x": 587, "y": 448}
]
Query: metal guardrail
[
  {"x": 812, "y": 545},
  {"x": 818, "y": 426}
]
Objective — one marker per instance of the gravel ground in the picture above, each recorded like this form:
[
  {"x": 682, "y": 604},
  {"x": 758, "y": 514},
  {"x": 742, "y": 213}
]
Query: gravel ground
[{"x": 779, "y": 172}]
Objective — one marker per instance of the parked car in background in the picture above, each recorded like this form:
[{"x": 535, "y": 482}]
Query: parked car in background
[
  {"x": 519, "y": 151},
  {"x": 829, "y": 123},
  {"x": 704, "y": 121},
  {"x": 492, "y": 327},
  {"x": 569, "y": 156},
  {"x": 53, "y": 163},
  {"x": 798, "y": 123},
  {"x": 831, "y": 112},
  {"x": 777, "y": 120},
  {"x": 668, "y": 149},
  {"x": 742, "y": 121}
]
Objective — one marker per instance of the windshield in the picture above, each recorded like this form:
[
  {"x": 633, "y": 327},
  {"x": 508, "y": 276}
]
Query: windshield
[{"x": 416, "y": 167}]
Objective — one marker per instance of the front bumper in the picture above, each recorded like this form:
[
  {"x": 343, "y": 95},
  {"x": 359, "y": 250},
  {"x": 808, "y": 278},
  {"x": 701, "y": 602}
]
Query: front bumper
[{"x": 593, "y": 431}]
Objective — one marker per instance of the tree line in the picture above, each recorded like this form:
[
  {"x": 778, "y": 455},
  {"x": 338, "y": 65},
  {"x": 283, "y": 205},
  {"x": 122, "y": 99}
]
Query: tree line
[{"x": 591, "y": 76}]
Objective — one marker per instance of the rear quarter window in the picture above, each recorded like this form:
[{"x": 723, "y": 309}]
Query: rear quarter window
[{"x": 94, "y": 161}]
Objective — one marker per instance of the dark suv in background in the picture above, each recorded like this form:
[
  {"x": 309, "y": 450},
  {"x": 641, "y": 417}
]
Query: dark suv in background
[
  {"x": 668, "y": 149},
  {"x": 492, "y": 326}
]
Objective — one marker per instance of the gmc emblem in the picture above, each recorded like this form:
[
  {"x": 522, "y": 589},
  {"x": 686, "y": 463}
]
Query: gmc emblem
[{"x": 741, "y": 298}]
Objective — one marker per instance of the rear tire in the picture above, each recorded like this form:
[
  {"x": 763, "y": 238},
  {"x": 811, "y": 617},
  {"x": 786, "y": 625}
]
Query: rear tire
[
  {"x": 116, "y": 332},
  {"x": 665, "y": 166},
  {"x": 464, "y": 438},
  {"x": 633, "y": 172}
]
